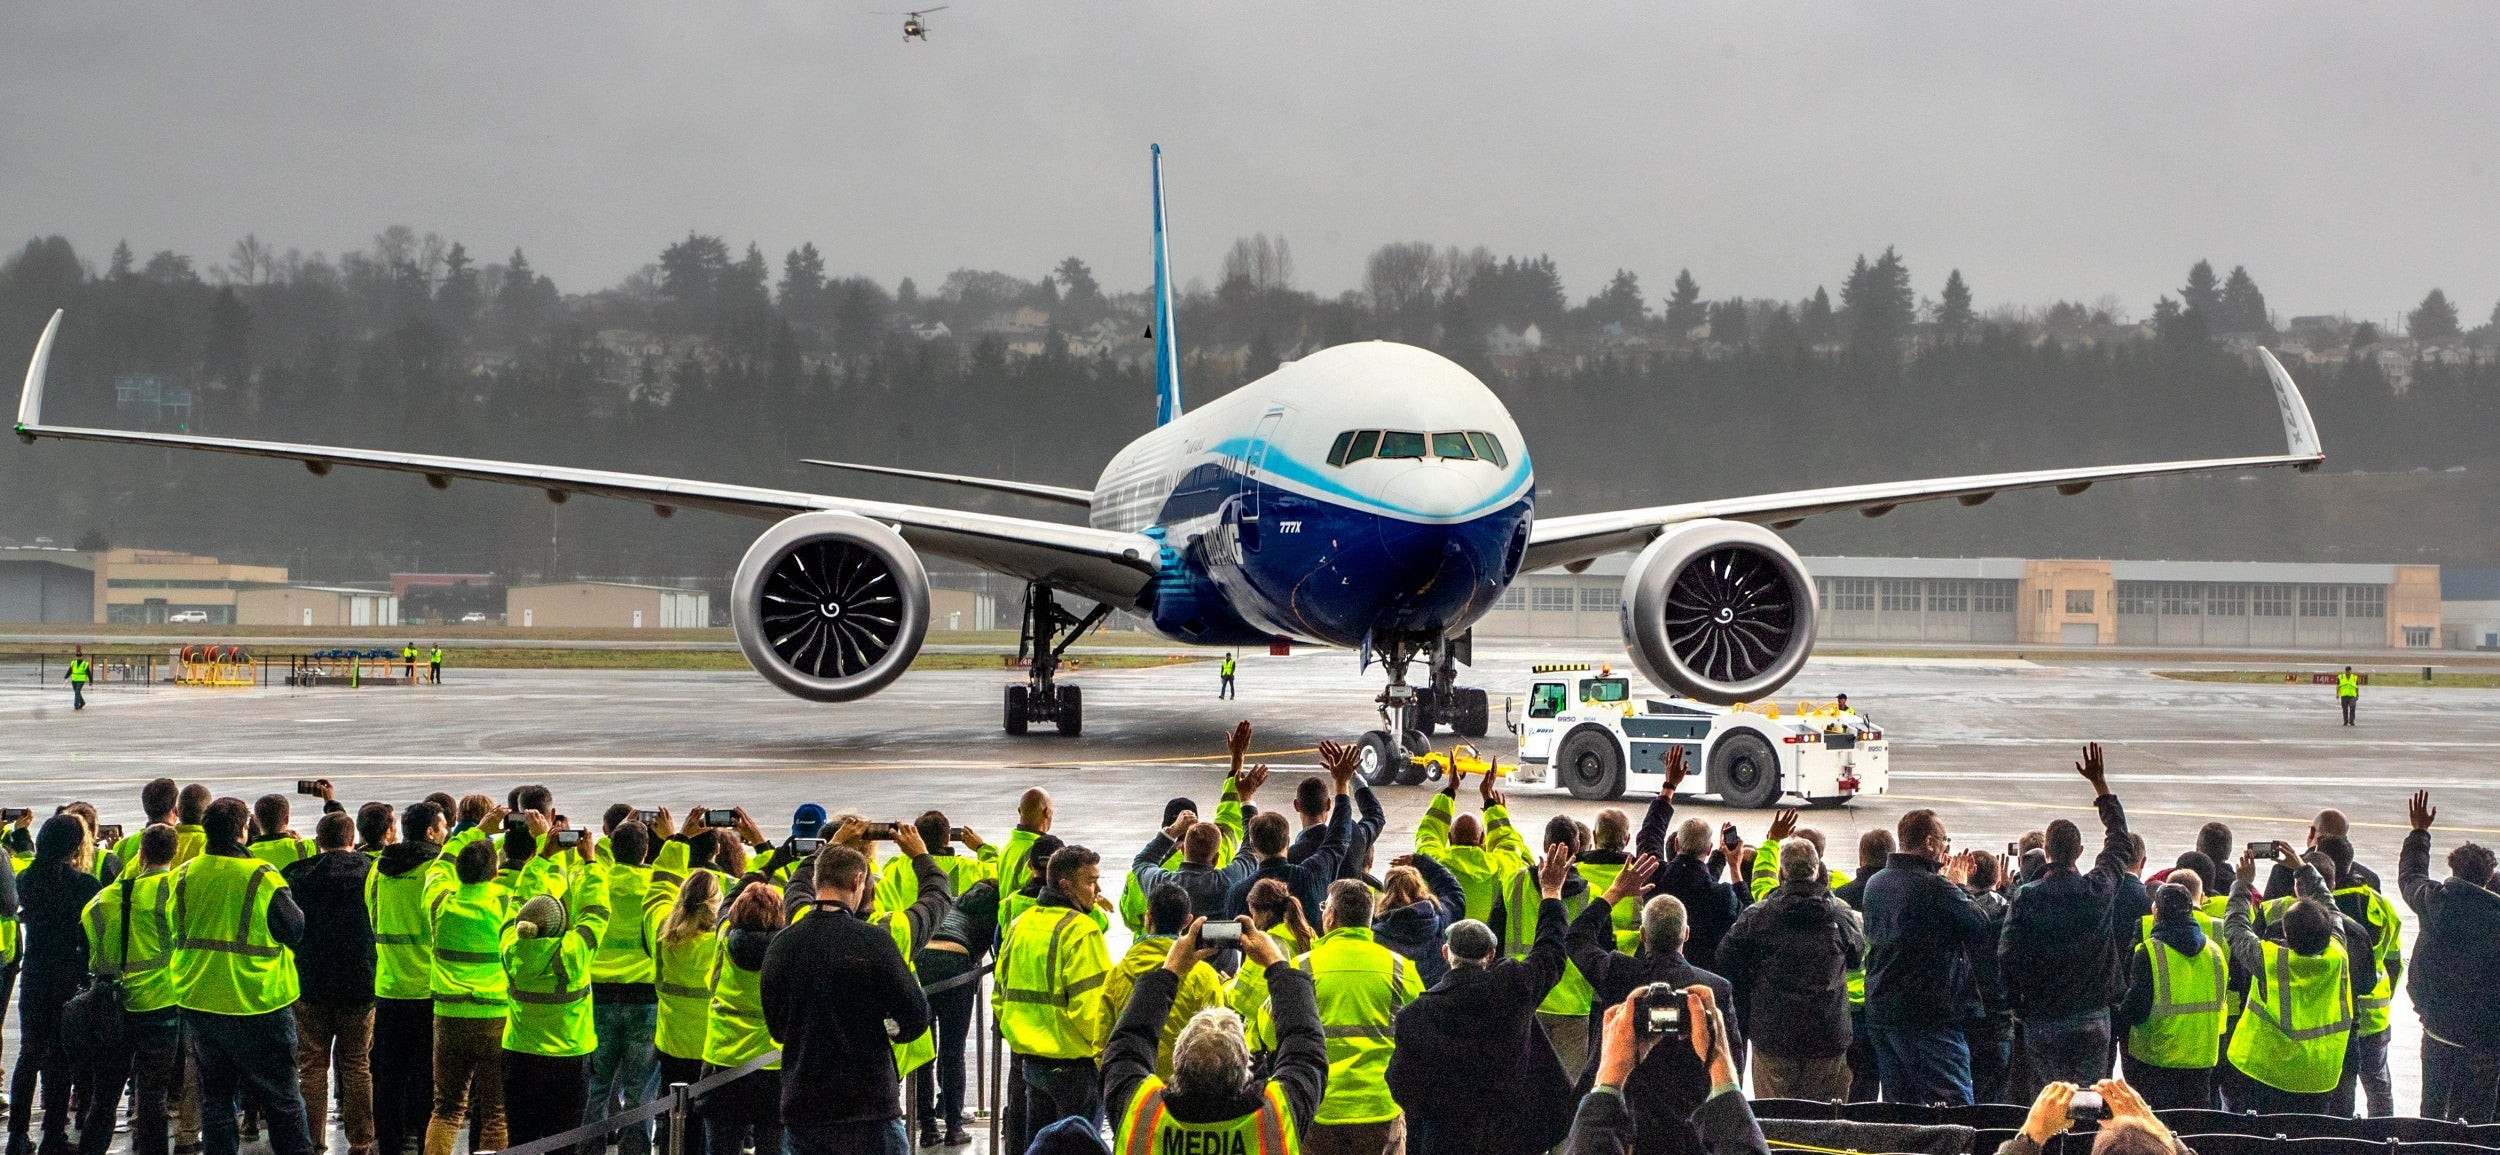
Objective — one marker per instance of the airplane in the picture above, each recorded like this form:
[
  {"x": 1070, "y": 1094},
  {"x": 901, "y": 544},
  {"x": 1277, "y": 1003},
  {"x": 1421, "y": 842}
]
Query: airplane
[{"x": 1373, "y": 496}]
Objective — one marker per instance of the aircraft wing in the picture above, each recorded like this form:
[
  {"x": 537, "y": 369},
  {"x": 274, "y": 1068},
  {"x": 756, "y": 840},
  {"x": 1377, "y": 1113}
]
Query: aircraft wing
[
  {"x": 1580, "y": 537},
  {"x": 1093, "y": 563}
]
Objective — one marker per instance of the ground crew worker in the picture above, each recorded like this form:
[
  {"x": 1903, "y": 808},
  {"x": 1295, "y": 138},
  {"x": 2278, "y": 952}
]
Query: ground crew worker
[
  {"x": 277, "y": 843},
  {"x": 408, "y": 653},
  {"x": 232, "y": 921},
  {"x": 1224, "y": 674},
  {"x": 1271, "y": 907},
  {"x": 434, "y": 664},
  {"x": 129, "y": 928},
  {"x": 1048, "y": 998},
  {"x": 472, "y": 999},
  {"x": 748, "y": 1109},
  {"x": 398, "y": 895},
  {"x": 1213, "y": 1101},
  {"x": 898, "y": 882},
  {"x": 2365, "y": 1063},
  {"x": 1360, "y": 986},
  {"x": 2348, "y": 693},
  {"x": 1482, "y": 854},
  {"x": 78, "y": 673},
  {"x": 1033, "y": 813},
  {"x": 1565, "y": 1011},
  {"x": 682, "y": 921},
  {"x": 2291, "y": 1037},
  {"x": 548, "y": 952},
  {"x": 156, "y": 800},
  {"x": 626, "y": 1005},
  {"x": 190, "y": 810},
  {"x": 2174, "y": 1008}
]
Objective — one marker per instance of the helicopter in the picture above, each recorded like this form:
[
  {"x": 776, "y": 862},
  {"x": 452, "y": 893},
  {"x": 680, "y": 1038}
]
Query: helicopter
[{"x": 915, "y": 28}]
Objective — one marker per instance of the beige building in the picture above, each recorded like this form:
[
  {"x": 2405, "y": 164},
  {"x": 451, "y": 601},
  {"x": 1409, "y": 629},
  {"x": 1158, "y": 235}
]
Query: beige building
[
  {"x": 154, "y": 586},
  {"x": 315, "y": 606},
  {"x": 961, "y": 610},
  {"x": 606, "y": 605}
]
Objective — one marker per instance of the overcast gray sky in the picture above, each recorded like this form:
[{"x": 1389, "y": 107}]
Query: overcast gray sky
[{"x": 2347, "y": 154}]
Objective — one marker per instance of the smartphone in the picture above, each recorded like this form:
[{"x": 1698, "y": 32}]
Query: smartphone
[
  {"x": 2087, "y": 1105},
  {"x": 2263, "y": 849},
  {"x": 719, "y": 817},
  {"x": 109, "y": 833},
  {"x": 1728, "y": 836},
  {"x": 308, "y": 786},
  {"x": 806, "y": 846},
  {"x": 960, "y": 834},
  {"x": 881, "y": 831},
  {"x": 14, "y": 813},
  {"x": 2010, "y": 852},
  {"x": 568, "y": 839},
  {"x": 1219, "y": 933},
  {"x": 647, "y": 817},
  {"x": 516, "y": 824}
]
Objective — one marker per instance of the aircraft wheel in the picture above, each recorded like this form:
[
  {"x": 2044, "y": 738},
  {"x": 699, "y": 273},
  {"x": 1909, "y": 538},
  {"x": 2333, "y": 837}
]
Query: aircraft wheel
[
  {"x": 1745, "y": 772},
  {"x": 1472, "y": 714},
  {"x": 1071, "y": 711},
  {"x": 1378, "y": 759},
  {"x": 1015, "y": 709},
  {"x": 1421, "y": 716},
  {"x": 1591, "y": 767}
]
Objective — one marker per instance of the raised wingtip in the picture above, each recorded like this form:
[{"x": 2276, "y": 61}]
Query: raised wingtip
[
  {"x": 2300, "y": 431},
  {"x": 30, "y": 398}
]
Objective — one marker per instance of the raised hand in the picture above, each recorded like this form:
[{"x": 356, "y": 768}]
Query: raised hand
[
  {"x": 1783, "y": 824},
  {"x": 907, "y": 840},
  {"x": 1256, "y": 947},
  {"x": 2049, "y": 1113},
  {"x": 972, "y": 839},
  {"x": 663, "y": 824},
  {"x": 1957, "y": 869},
  {"x": 1249, "y": 781},
  {"x": 1485, "y": 790},
  {"x": 2092, "y": 769},
  {"x": 1676, "y": 770},
  {"x": 1237, "y": 743},
  {"x": 1179, "y": 828},
  {"x": 2283, "y": 853},
  {"x": 1554, "y": 870},
  {"x": 2420, "y": 810},
  {"x": 853, "y": 833},
  {"x": 1633, "y": 879},
  {"x": 1185, "y": 952}
]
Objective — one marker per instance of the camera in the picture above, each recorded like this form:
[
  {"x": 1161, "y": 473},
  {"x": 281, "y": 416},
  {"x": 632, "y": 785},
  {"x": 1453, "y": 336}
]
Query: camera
[
  {"x": 806, "y": 846},
  {"x": 15, "y": 814},
  {"x": 719, "y": 817},
  {"x": 2087, "y": 1105},
  {"x": 880, "y": 831},
  {"x": 1216, "y": 934},
  {"x": 109, "y": 832},
  {"x": 647, "y": 817},
  {"x": 957, "y": 834},
  {"x": 1659, "y": 1012},
  {"x": 568, "y": 839}
]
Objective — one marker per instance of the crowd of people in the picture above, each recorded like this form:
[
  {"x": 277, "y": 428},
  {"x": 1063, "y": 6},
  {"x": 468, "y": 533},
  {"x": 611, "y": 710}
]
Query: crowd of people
[{"x": 463, "y": 969}]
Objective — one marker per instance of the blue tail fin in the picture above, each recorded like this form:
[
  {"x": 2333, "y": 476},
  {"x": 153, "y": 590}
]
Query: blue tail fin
[{"x": 1167, "y": 346}]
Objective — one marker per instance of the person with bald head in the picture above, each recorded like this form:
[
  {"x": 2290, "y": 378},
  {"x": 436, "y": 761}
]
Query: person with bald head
[
  {"x": 2330, "y": 823},
  {"x": 1015, "y": 865},
  {"x": 1482, "y": 854}
]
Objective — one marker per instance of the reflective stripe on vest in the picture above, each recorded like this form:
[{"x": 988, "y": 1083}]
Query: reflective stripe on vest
[
  {"x": 737, "y": 1032},
  {"x": 2184, "y": 1031},
  {"x": 920, "y": 1050},
  {"x": 1147, "y": 1129},
  {"x": 1520, "y": 906},
  {"x": 2299, "y": 1017},
  {"x": 1359, "y": 999},
  {"x": 227, "y": 962},
  {"x": 2370, "y": 1007}
]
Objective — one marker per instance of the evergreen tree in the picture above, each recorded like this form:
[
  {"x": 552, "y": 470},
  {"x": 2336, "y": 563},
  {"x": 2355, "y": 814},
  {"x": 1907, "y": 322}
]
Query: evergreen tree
[
  {"x": 803, "y": 282},
  {"x": 1953, "y": 313},
  {"x": 122, "y": 259},
  {"x": 1080, "y": 296},
  {"x": 2201, "y": 297},
  {"x": 1815, "y": 319},
  {"x": 1728, "y": 323},
  {"x": 457, "y": 298},
  {"x": 1878, "y": 300},
  {"x": 1619, "y": 303},
  {"x": 2243, "y": 307},
  {"x": 2435, "y": 319},
  {"x": 1684, "y": 311}
]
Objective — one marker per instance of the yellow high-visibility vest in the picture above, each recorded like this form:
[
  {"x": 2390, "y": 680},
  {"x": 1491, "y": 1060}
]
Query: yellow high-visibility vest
[
  {"x": 2370, "y": 1007},
  {"x": 467, "y": 976},
  {"x": 225, "y": 962},
  {"x": 402, "y": 908},
  {"x": 1480, "y": 870},
  {"x": 1147, "y": 1129},
  {"x": 737, "y": 1032},
  {"x": 920, "y": 1050},
  {"x": 1361, "y": 985},
  {"x": 625, "y": 947},
  {"x": 78, "y": 671},
  {"x": 549, "y": 980},
  {"x": 681, "y": 975},
  {"x": 1520, "y": 902},
  {"x": 1048, "y": 995},
  {"x": 147, "y": 973},
  {"x": 2185, "y": 1029},
  {"x": 2299, "y": 1018}
]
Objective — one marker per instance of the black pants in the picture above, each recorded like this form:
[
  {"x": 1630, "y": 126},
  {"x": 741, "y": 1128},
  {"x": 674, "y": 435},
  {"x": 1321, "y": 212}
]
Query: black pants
[
  {"x": 689, "y": 1072},
  {"x": 403, "y": 1073},
  {"x": 940, "y": 1085},
  {"x": 2171, "y": 1088},
  {"x": 2267, "y": 1100},
  {"x": 1991, "y": 1062},
  {"x": 745, "y": 1113},
  {"x": 434, "y": 672},
  {"x": 544, "y": 1094},
  {"x": 2363, "y": 1053},
  {"x": 2349, "y": 705},
  {"x": 1863, "y": 1085},
  {"x": 42, "y": 1055},
  {"x": 1052, "y": 1089},
  {"x": 254, "y": 1056},
  {"x": 147, "y": 1063},
  {"x": 2459, "y": 1082}
]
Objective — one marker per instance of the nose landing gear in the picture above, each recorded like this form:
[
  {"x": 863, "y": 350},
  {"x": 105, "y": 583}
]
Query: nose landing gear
[
  {"x": 1046, "y": 633},
  {"x": 1408, "y": 717}
]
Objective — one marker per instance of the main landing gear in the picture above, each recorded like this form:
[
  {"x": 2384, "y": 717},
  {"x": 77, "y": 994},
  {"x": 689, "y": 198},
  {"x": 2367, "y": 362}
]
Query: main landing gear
[
  {"x": 1047, "y": 630},
  {"x": 1407, "y": 716}
]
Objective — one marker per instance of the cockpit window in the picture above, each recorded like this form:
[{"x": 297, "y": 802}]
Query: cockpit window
[
  {"x": 1469, "y": 445},
  {"x": 1395, "y": 443},
  {"x": 1489, "y": 448}
]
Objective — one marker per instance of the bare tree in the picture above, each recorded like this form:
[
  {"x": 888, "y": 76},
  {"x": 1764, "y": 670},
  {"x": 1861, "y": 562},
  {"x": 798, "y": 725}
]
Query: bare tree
[
  {"x": 1264, "y": 263},
  {"x": 251, "y": 262}
]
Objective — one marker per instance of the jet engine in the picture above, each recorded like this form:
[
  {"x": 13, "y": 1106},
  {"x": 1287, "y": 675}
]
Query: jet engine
[
  {"x": 1722, "y": 611},
  {"x": 830, "y": 606}
]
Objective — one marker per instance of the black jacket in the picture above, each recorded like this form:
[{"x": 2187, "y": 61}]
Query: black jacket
[
  {"x": 2279, "y": 879},
  {"x": 1367, "y": 826},
  {"x": 1725, "y": 1121},
  {"x": 2456, "y": 969},
  {"x": 2054, "y": 954},
  {"x": 50, "y": 897},
  {"x": 1788, "y": 958},
  {"x": 335, "y": 961},
  {"x": 1921, "y": 930},
  {"x": 1710, "y": 906},
  {"x": 1309, "y": 878},
  {"x": 1298, "y": 1064},
  {"x": 1669, "y": 1084},
  {"x": 1483, "y": 1020},
  {"x": 836, "y": 994},
  {"x": 1418, "y": 930},
  {"x": 1206, "y": 886}
]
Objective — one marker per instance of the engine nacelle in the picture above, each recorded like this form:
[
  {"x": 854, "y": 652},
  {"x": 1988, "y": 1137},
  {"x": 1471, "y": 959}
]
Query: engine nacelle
[
  {"x": 1722, "y": 611},
  {"x": 830, "y": 606}
]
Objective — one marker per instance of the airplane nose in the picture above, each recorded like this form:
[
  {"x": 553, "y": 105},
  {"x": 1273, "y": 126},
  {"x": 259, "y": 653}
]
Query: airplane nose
[{"x": 1434, "y": 491}]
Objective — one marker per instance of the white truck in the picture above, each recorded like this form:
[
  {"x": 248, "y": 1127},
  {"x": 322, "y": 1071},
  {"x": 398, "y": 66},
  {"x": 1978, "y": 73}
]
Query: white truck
[{"x": 1584, "y": 733}]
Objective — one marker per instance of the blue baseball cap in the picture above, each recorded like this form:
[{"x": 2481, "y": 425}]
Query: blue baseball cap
[{"x": 808, "y": 821}]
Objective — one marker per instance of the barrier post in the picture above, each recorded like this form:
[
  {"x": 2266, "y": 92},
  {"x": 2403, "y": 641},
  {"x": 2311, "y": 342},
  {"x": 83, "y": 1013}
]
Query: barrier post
[
  {"x": 998, "y": 1118},
  {"x": 677, "y": 1119}
]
